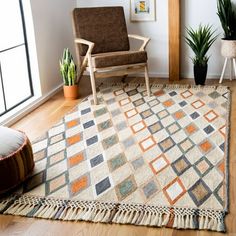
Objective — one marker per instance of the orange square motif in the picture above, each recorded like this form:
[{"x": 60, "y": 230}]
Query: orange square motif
[
  {"x": 74, "y": 139},
  {"x": 190, "y": 129},
  {"x": 76, "y": 159},
  {"x": 168, "y": 103},
  {"x": 72, "y": 123},
  {"x": 159, "y": 93},
  {"x": 79, "y": 185},
  {"x": 179, "y": 114},
  {"x": 205, "y": 146}
]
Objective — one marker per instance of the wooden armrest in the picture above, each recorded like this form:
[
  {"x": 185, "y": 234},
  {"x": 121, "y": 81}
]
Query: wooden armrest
[
  {"x": 88, "y": 58},
  {"x": 144, "y": 39},
  {"x": 86, "y": 42}
]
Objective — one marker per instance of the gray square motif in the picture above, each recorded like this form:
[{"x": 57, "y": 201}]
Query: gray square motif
[
  {"x": 116, "y": 112},
  {"x": 103, "y": 185},
  {"x": 96, "y": 160},
  {"x": 128, "y": 142},
  {"x": 149, "y": 189},
  {"x": 111, "y": 101},
  {"x": 214, "y": 95},
  {"x": 88, "y": 124},
  {"x": 85, "y": 111},
  {"x": 122, "y": 125},
  {"x": 139, "y": 162},
  {"x": 92, "y": 140}
]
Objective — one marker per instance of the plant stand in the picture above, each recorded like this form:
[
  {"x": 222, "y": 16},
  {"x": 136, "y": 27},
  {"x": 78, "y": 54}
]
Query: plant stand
[{"x": 232, "y": 67}]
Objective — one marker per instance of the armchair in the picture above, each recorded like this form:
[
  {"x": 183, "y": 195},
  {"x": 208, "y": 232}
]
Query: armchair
[{"x": 102, "y": 45}]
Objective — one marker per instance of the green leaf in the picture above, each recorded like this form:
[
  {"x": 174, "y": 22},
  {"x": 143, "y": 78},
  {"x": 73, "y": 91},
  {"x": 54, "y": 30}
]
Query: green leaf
[
  {"x": 200, "y": 41},
  {"x": 68, "y": 69}
]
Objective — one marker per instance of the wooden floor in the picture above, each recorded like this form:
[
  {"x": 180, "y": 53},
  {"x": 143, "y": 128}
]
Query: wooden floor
[{"x": 41, "y": 119}]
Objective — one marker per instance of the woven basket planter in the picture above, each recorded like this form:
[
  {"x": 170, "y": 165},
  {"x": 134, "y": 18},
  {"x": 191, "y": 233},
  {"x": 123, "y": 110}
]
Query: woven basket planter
[{"x": 228, "y": 48}]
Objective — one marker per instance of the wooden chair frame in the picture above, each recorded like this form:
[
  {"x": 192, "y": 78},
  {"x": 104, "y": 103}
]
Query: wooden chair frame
[{"x": 86, "y": 64}]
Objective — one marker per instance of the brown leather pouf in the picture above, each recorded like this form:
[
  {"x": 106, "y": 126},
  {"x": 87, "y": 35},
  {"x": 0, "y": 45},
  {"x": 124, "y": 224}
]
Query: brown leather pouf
[{"x": 16, "y": 158}]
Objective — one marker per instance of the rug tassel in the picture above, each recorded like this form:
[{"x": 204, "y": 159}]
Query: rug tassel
[
  {"x": 187, "y": 222},
  {"x": 80, "y": 214},
  {"x": 191, "y": 221},
  {"x": 140, "y": 217},
  {"x": 3, "y": 204},
  {"x": 207, "y": 222},
  {"x": 166, "y": 220},
  {"x": 120, "y": 216},
  {"x": 12, "y": 209},
  {"x": 149, "y": 218},
  {"x": 201, "y": 222},
  {"x": 64, "y": 213},
  {"x": 134, "y": 220},
  {"x": 76, "y": 214},
  {"x": 175, "y": 224},
  {"x": 131, "y": 216},
  {"x": 107, "y": 215},
  {"x": 143, "y": 219},
  {"x": 125, "y": 217},
  {"x": 153, "y": 221},
  {"x": 115, "y": 216},
  {"x": 98, "y": 216}
]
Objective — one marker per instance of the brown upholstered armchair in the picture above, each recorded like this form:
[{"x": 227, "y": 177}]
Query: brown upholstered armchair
[{"x": 102, "y": 45}]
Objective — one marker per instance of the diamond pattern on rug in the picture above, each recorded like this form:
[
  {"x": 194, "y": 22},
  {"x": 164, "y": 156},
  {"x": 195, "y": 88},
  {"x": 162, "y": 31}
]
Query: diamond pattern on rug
[
  {"x": 159, "y": 164},
  {"x": 199, "y": 192},
  {"x": 167, "y": 150},
  {"x": 102, "y": 186},
  {"x": 149, "y": 189},
  {"x": 80, "y": 184},
  {"x": 174, "y": 191},
  {"x": 126, "y": 187}
]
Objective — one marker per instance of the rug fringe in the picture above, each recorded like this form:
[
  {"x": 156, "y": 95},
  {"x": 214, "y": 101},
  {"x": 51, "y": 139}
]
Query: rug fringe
[
  {"x": 137, "y": 214},
  {"x": 164, "y": 86}
]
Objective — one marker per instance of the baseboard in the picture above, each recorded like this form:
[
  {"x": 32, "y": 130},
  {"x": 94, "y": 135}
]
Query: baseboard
[{"x": 10, "y": 119}]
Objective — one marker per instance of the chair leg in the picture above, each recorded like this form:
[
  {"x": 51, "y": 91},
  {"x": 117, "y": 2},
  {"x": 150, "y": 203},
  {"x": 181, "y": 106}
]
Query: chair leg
[
  {"x": 223, "y": 71},
  {"x": 234, "y": 64},
  {"x": 147, "y": 82},
  {"x": 231, "y": 68},
  {"x": 92, "y": 79},
  {"x": 123, "y": 78}
]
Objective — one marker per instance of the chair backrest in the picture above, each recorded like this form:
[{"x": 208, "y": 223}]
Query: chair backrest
[{"x": 105, "y": 26}]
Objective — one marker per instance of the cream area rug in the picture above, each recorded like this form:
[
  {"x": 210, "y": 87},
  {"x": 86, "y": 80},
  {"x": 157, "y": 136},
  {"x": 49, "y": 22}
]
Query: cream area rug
[{"x": 133, "y": 159}]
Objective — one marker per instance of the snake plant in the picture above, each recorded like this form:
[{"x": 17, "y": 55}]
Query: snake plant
[{"x": 68, "y": 68}]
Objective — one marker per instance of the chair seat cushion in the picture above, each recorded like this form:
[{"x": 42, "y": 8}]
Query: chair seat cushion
[
  {"x": 16, "y": 158},
  {"x": 118, "y": 58}
]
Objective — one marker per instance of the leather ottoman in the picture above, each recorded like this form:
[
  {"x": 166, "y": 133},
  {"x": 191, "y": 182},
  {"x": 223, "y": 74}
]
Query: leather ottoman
[{"x": 16, "y": 158}]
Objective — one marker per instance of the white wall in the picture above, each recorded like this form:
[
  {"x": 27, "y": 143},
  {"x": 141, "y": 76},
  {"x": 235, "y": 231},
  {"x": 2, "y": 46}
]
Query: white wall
[
  {"x": 193, "y": 13},
  {"x": 53, "y": 32}
]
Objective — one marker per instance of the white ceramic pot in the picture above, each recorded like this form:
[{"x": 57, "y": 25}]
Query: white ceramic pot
[{"x": 228, "y": 48}]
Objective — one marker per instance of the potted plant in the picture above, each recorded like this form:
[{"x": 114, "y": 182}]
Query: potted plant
[
  {"x": 200, "y": 40},
  {"x": 68, "y": 71},
  {"x": 227, "y": 15}
]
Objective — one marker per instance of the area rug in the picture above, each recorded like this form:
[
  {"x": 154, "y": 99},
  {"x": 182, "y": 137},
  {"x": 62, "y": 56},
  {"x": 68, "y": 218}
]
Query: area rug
[{"x": 133, "y": 159}]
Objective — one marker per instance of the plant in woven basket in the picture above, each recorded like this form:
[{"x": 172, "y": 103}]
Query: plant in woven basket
[
  {"x": 226, "y": 11},
  {"x": 227, "y": 14},
  {"x": 200, "y": 41}
]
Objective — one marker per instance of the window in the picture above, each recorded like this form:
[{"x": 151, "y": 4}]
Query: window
[{"x": 15, "y": 75}]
